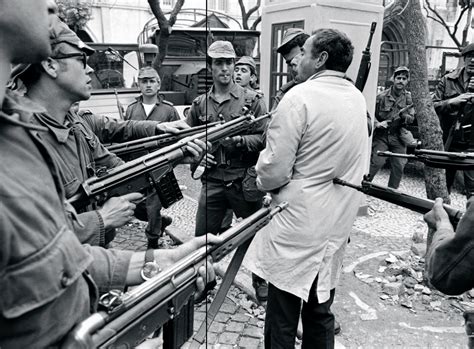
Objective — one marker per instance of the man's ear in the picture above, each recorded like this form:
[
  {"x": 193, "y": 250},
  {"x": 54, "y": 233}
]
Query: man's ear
[
  {"x": 51, "y": 67},
  {"x": 321, "y": 59}
]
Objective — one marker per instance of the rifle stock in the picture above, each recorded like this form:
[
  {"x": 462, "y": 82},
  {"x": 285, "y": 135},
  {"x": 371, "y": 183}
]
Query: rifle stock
[
  {"x": 437, "y": 159},
  {"x": 396, "y": 197},
  {"x": 128, "y": 151},
  {"x": 125, "y": 319},
  {"x": 153, "y": 169}
]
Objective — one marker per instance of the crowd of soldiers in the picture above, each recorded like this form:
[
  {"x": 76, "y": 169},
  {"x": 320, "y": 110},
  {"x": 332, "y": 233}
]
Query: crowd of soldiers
[{"x": 55, "y": 261}]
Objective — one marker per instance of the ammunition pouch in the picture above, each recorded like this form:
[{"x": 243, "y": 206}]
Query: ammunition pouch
[{"x": 249, "y": 186}]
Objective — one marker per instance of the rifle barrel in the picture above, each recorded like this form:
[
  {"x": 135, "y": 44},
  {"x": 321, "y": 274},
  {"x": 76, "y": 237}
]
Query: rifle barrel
[
  {"x": 133, "y": 308},
  {"x": 395, "y": 155},
  {"x": 396, "y": 197}
]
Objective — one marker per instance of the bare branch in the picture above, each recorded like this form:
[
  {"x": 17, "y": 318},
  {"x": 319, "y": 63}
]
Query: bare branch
[
  {"x": 255, "y": 8},
  {"x": 158, "y": 13},
  {"x": 174, "y": 13},
  {"x": 257, "y": 21},
  {"x": 245, "y": 17}
]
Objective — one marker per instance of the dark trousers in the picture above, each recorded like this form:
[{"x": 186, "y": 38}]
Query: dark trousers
[
  {"x": 215, "y": 198},
  {"x": 468, "y": 181},
  {"x": 383, "y": 141},
  {"x": 282, "y": 316},
  {"x": 150, "y": 210}
]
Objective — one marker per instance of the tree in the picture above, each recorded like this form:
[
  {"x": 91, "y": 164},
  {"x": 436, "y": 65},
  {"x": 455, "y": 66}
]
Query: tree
[
  {"x": 166, "y": 26},
  {"x": 428, "y": 122},
  {"x": 466, "y": 8},
  {"x": 75, "y": 13},
  {"x": 246, "y": 15}
]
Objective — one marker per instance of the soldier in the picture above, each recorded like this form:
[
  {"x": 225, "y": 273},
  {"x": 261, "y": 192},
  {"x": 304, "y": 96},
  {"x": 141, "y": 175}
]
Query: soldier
[
  {"x": 49, "y": 280},
  {"x": 453, "y": 104},
  {"x": 151, "y": 106},
  {"x": 56, "y": 84},
  {"x": 290, "y": 48},
  {"x": 450, "y": 259},
  {"x": 245, "y": 72},
  {"x": 229, "y": 179},
  {"x": 393, "y": 110}
]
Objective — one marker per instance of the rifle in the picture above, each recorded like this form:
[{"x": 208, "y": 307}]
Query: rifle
[
  {"x": 437, "y": 159},
  {"x": 364, "y": 68},
  {"x": 131, "y": 150},
  {"x": 125, "y": 319},
  {"x": 396, "y": 197},
  {"x": 155, "y": 170},
  {"x": 119, "y": 105}
]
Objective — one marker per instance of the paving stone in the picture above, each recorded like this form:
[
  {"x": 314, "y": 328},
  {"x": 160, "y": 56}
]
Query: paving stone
[
  {"x": 222, "y": 317},
  {"x": 253, "y": 331},
  {"x": 228, "y": 308},
  {"x": 249, "y": 342},
  {"x": 240, "y": 317},
  {"x": 217, "y": 327},
  {"x": 234, "y": 326},
  {"x": 228, "y": 338}
]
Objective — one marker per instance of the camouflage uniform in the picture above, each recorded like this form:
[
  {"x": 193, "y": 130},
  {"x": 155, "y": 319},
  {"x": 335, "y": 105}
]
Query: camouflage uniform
[
  {"x": 46, "y": 273},
  {"x": 386, "y": 106},
  {"x": 452, "y": 85}
]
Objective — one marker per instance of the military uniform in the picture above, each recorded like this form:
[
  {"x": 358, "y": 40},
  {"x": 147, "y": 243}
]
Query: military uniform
[
  {"x": 452, "y": 85},
  {"x": 46, "y": 288},
  {"x": 223, "y": 186},
  {"x": 450, "y": 262},
  {"x": 387, "y": 105},
  {"x": 163, "y": 111},
  {"x": 110, "y": 130},
  {"x": 79, "y": 155},
  {"x": 150, "y": 210}
]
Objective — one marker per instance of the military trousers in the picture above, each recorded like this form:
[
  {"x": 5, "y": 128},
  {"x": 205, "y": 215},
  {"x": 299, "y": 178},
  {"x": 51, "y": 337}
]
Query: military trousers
[
  {"x": 215, "y": 198},
  {"x": 387, "y": 141}
]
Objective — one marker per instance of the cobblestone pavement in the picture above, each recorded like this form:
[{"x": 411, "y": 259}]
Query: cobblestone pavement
[{"x": 239, "y": 323}]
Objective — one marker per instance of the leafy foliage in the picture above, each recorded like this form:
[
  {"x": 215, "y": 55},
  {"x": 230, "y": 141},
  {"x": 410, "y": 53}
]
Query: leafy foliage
[{"x": 75, "y": 13}]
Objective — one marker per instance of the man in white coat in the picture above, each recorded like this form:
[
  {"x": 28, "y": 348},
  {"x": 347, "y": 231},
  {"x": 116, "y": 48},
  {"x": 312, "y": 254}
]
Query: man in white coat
[{"x": 319, "y": 133}]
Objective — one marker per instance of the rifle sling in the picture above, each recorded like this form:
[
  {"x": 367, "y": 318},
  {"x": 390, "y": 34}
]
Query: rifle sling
[{"x": 216, "y": 304}]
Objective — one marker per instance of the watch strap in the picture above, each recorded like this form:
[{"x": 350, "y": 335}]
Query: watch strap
[{"x": 149, "y": 255}]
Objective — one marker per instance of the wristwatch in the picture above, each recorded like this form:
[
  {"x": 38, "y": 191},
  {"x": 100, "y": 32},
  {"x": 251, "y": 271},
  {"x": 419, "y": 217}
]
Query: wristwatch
[{"x": 150, "y": 267}]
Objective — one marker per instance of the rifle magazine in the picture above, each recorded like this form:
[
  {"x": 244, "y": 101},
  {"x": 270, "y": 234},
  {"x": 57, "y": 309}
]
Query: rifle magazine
[{"x": 168, "y": 190}]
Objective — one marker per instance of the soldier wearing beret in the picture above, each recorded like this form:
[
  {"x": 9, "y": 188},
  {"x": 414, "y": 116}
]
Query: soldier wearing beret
[
  {"x": 290, "y": 48},
  {"x": 151, "y": 106},
  {"x": 229, "y": 179},
  {"x": 50, "y": 282},
  {"x": 453, "y": 104}
]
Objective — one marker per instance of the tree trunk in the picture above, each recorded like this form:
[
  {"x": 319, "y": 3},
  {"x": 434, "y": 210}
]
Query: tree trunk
[{"x": 428, "y": 122}]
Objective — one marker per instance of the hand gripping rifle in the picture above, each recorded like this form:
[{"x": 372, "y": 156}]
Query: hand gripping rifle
[
  {"x": 401, "y": 199},
  {"x": 437, "y": 159},
  {"x": 155, "y": 170},
  {"x": 128, "y": 151},
  {"x": 125, "y": 319}
]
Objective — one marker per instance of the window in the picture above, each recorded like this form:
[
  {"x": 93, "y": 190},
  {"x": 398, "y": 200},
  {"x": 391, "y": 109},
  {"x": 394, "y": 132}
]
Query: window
[
  {"x": 279, "y": 69},
  {"x": 168, "y": 3},
  {"x": 223, "y": 5}
]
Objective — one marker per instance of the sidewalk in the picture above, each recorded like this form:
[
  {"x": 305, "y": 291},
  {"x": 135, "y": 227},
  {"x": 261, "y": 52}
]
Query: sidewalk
[{"x": 366, "y": 319}]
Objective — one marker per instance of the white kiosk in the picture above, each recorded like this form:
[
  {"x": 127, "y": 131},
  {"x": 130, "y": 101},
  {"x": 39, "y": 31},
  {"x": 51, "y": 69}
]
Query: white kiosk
[{"x": 352, "y": 17}]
